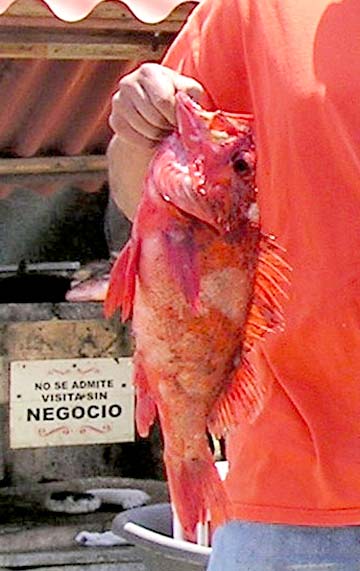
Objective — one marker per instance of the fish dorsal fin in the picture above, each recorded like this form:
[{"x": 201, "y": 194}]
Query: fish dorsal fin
[
  {"x": 271, "y": 278},
  {"x": 245, "y": 395}
]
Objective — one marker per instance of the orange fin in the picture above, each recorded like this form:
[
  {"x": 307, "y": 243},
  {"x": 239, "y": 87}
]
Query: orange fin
[
  {"x": 195, "y": 487},
  {"x": 181, "y": 254},
  {"x": 243, "y": 399},
  {"x": 123, "y": 280},
  {"x": 245, "y": 395},
  {"x": 271, "y": 277},
  {"x": 145, "y": 406},
  {"x": 220, "y": 122}
]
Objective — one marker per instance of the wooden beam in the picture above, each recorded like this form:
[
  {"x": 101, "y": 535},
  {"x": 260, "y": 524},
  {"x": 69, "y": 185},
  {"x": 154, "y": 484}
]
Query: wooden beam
[
  {"x": 53, "y": 165},
  {"x": 94, "y": 45},
  {"x": 106, "y": 15}
]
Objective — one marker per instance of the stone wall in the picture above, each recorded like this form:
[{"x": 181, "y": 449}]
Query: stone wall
[{"x": 66, "y": 331}]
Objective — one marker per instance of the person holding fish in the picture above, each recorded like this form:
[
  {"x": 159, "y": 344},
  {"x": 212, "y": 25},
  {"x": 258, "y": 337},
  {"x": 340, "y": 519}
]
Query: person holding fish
[{"x": 288, "y": 398}]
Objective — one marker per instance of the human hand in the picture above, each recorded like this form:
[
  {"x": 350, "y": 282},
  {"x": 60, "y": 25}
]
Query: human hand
[{"x": 143, "y": 108}]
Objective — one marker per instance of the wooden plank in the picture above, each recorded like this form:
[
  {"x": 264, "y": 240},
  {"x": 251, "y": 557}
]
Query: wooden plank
[
  {"x": 105, "y": 10},
  {"x": 34, "y": 45},
  {"x": 29, "y": 30},
  {"x": 110, "y": 10},
  {"x": 28, "y": 8},
  {"x": 50, "y": 165},
  {"x": 126, "y": 24},
  {"x": 107, "y": 14}
]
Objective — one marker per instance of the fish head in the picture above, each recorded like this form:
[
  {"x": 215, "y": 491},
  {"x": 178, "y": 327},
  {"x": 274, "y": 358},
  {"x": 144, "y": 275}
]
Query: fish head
[{"x": 221, "y": 159}]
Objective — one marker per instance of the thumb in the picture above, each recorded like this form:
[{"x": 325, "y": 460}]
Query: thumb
[{"x": 190, "y": 86}]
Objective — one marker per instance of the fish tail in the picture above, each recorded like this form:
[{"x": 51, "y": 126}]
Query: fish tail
[
  {"x": 122, "y": 281},
  {"x": 196, "y": 490}
]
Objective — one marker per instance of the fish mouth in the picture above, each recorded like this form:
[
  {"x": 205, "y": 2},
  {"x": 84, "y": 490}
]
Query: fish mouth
[
  {"x": 187, "y": 116},
  {"x": 187, "y": 104}
]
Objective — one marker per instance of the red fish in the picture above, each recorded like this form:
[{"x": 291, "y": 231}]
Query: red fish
[{"x": 201, "y": 284}]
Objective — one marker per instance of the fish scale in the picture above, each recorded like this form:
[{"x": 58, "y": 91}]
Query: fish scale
[{"x": 202, "y": 285}]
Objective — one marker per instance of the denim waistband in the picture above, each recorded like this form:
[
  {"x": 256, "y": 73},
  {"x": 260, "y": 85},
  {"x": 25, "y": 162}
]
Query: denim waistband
[{"x": 245, "y": 546}]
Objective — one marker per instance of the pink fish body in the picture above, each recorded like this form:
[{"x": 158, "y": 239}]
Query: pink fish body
[{"x": 201, "y": 285}]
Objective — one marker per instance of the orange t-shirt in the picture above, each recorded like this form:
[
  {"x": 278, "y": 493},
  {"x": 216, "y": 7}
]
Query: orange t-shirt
[{"x": 295, "y": 64}]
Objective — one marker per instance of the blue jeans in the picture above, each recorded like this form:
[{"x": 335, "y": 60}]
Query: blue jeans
[{"x": 244, "y": 546}]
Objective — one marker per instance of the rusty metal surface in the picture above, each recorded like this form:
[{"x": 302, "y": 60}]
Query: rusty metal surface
[{"x": 55, "y": 108}]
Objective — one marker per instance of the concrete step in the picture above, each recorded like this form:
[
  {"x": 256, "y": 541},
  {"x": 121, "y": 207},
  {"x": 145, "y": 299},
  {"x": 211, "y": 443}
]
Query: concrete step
[
  {"x": 91, "y": 567},
  {"x": 69, "y": 556},
  {"x": 32, "y": 539}
]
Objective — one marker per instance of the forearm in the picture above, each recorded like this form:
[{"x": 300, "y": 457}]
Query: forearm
[{"x": 127, "y": 166}]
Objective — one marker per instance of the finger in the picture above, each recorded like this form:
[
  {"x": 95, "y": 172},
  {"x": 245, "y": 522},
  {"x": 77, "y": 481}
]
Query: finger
[
  {"x": 136, "y": 139},
  {"x": 189, "y": 86},
  {"x": 130, "y": 126},
  {"x": 163, "y": 100},
  {"x": 162, "y": 93},
  {"x": 142, "y": 126},
  {"x": 158, "y": 83},
  {"x": 143, "y": 104},
  {"x": 132, "y": 105}
]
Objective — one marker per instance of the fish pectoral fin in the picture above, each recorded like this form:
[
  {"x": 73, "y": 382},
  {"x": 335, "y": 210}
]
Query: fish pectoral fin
[
  {"x": 243, "y": 399},
  {"x": 245, "y": 395},
  {"x": 181, "y": 253},
  {"x": 145, "y": 405},
  {"x": 121, "y": 290},
  {"x": 266, "y": 312}
]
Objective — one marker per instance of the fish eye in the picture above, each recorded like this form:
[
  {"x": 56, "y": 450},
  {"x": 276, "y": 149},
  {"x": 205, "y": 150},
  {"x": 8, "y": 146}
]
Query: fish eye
[{"x": 240, "y": 165}]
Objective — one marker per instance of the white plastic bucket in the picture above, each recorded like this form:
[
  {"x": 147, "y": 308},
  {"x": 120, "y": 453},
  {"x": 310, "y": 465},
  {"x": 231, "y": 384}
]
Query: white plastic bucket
[{"x": 156, "y": 533}]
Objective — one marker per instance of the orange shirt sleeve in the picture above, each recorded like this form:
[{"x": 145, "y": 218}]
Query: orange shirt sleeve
[{"x": 209, "y": 49}]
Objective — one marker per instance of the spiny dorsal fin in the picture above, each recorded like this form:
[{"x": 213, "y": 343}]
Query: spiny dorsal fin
[
  {"x": 266, "y": 312},
  {"x": 244, "y": 397}
]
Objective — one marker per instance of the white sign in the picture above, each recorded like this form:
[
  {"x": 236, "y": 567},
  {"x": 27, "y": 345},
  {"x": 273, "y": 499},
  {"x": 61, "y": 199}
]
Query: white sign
[{"x": 61, "y": 402}]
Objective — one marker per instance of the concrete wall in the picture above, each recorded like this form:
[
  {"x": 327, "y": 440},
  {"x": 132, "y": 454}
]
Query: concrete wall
[{"x": 60, "y": 338}]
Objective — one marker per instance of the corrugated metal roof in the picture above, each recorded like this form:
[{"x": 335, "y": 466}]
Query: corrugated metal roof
[
  {"x": 149, "y": 11},
  {"x": 52, "y": 108},
  {"x": 55, "y": 108}
]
